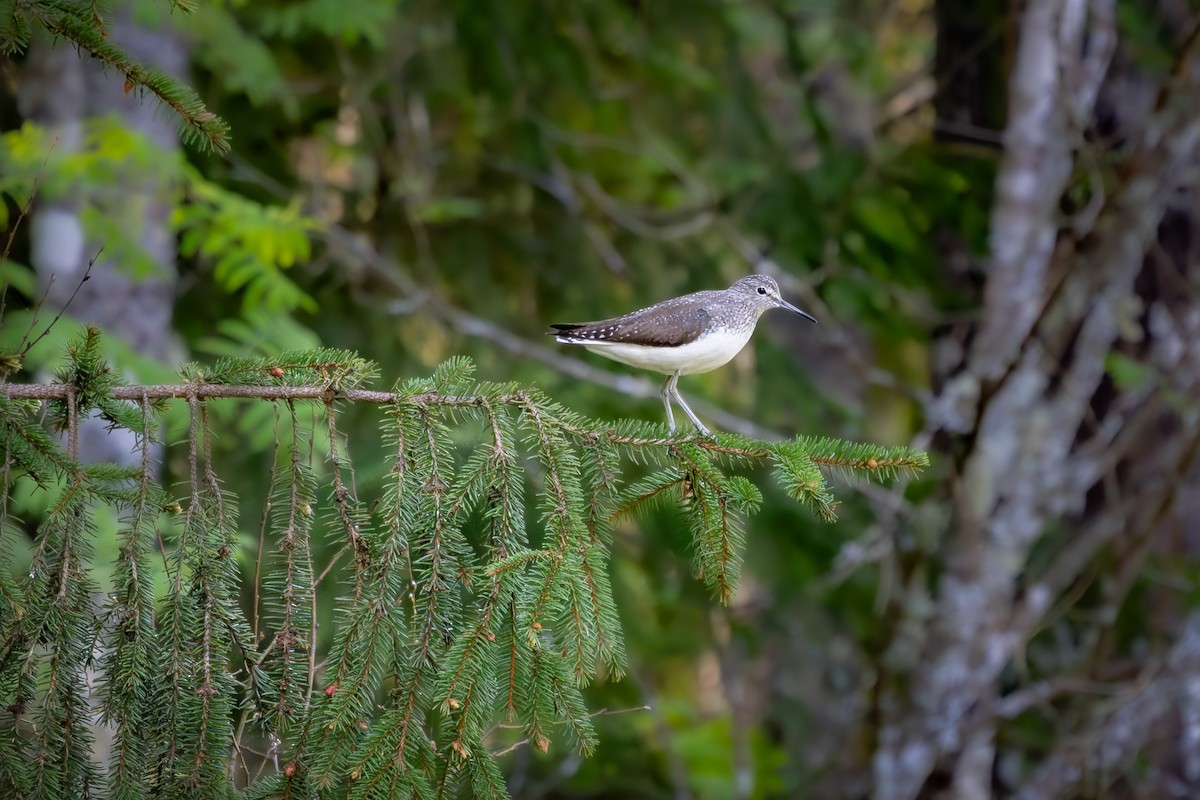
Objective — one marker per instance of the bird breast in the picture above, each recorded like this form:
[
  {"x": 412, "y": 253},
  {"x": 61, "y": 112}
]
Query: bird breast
[{"x": 706, "y": 353}]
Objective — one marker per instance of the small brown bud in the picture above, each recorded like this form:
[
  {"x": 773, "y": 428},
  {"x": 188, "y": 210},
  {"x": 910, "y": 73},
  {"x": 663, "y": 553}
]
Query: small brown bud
[
  {"x": 541, "y": 744},
  {"x": 276, "y": 372},
  {"x": 331, "y": 689},
  {"x": 290, "y": 769}
]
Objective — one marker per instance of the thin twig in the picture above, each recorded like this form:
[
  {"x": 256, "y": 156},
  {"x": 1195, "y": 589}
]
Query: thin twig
[
  {"x": 342, "y": 498},
  {"x": 262, "y": 533},
  {"x": 22, "y": 214},
  {"x": 87, "y": 274},
  {"x": 72, "y": 424},
  {"x": 604, "y": 712}
]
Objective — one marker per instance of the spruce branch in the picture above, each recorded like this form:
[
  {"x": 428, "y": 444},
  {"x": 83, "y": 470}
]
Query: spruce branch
[
  {"x": 62, "y": 627},
  {"x": 289, "y": 587},
  {"x": 128, "y": 668},
  {"x": 350, "y": 515},
  {"x": 84, "y": 28},
  {"x": 27, "y": 446},
  {"x": 798, "y": 462},
  {"x": 458, "y": 630}
]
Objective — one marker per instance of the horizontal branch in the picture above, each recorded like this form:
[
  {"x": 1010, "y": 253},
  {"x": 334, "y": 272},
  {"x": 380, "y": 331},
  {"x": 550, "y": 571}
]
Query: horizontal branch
[
  {"x": 58, "y": 391},
  {"x": 202, "y": 391},
  {"x": 870, "y": 462}
]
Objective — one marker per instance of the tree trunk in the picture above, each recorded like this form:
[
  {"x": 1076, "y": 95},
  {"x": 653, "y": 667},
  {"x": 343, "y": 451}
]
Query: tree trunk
[
  {"x": 1035, "y": 436},
  {"x": 62, "y": 90}
]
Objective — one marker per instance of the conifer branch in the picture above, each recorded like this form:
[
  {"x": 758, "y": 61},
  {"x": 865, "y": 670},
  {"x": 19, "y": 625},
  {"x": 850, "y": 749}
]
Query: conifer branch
[
  {"x": 458, "y": 631},
  {"x": 260, "y": 560},
  {"x": 84, "y": 29},
  {"x": 345, "y": 503},
  {"x": 127, "y": 671},
  {"x": 797, "y": 462}
]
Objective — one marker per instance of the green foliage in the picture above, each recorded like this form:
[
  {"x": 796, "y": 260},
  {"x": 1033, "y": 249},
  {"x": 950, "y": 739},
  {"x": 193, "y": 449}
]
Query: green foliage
[
  {"x": 130, "y": 674},
  {"x": 529, "y": 162},
  {"x": 244, "y": 61},
  {"x": 29, "y": 448},
  {"x": 249, "y": 245},
  {"x": 93, "y": 380},
  {"x": 15, "y": 30},
  {"x": 459, "y": 628},
  {"x": 338, "y": 20},
  {"x": 84, "y": 25},
  {"x": 47, "y": 646}
]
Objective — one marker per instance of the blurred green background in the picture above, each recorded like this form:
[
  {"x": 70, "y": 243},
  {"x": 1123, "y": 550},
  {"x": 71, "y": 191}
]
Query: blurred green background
[{"x": 414, "y": 180}]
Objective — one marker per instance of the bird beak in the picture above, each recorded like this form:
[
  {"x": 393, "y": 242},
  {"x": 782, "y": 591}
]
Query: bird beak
[{"x": 785, "y": 304}]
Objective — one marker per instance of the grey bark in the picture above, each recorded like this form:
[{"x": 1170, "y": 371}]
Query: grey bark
[
  {"x": 1125, "y": 726},
  {"x": 1023, "y": 407}
]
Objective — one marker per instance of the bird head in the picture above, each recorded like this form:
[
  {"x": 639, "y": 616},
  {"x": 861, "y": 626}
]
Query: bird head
[{"x": 763, "y": 292}]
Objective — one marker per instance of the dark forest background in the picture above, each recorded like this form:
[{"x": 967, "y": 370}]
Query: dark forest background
[{"x": 991, "y": 208}]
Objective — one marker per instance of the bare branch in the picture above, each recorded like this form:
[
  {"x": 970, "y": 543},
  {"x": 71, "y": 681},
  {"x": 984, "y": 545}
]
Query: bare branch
[
  {"x": 87, "y": 274},
  {"x": 1033, "y": 175},
  {"x": 1140, "y": 710}
]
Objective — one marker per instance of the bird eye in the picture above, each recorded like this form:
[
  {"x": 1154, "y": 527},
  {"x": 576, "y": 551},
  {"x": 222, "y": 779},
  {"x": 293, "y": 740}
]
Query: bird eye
[{"x": 761, "y": 290}]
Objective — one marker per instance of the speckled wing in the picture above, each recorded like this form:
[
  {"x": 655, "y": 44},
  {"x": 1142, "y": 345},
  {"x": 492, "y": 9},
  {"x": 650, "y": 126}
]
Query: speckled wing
[{"x": 657, "y": 326}]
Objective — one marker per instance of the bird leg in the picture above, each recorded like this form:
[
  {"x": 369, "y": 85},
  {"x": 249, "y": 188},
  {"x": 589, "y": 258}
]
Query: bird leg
[
  {"x": 672, "y": 384},
  {"x": 665, "y": 394}
]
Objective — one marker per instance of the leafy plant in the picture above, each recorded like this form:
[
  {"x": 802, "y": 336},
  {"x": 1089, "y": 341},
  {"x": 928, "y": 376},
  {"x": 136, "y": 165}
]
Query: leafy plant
[{"x": 250, "y": 246}]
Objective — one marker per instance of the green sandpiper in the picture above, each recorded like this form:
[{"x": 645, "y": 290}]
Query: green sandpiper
[{"x": 694, "y": 333}]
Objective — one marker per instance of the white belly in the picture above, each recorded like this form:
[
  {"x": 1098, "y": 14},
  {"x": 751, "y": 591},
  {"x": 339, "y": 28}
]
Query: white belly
[{"x": 702, "y": 355}]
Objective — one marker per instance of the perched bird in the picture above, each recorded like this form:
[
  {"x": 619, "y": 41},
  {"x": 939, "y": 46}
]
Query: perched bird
[{"x": 694, "y": 333}]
